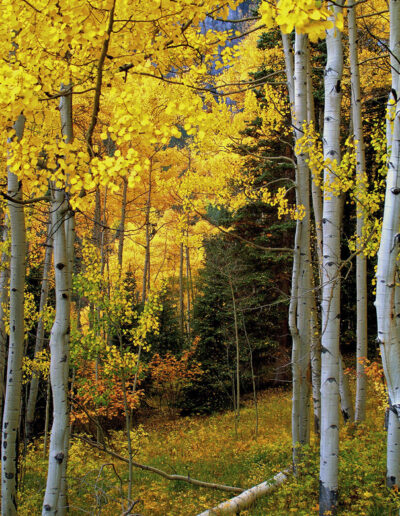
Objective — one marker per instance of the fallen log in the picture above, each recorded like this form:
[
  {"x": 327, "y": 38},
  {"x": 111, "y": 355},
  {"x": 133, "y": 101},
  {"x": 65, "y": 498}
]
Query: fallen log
[
  {"x": 183, "y": 478},
  {"x": 248, "y": 497}
]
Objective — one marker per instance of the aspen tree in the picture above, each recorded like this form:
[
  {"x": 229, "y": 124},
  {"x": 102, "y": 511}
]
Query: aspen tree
[
  {"x": 300, "y": 305},
  {"x": 55, "y": 495},
  {"x": 361, "y": 260},
  {"x": 4, "y": 295},
  {"x": 12, "y": 403},
  {"x": 387, "y": 275},
  {"x": 330, "y": 305}
]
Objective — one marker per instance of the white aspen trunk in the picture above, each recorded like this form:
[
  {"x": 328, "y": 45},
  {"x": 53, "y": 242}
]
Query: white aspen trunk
[
  {"x": 361, "y": 260},
  {"x": 304, "y": 282},
  {"x": 330, "y": 305},
  {"x": 70, "y": 239},
  {"x": 393, "y": 444},
  {"x": 56, "y": 495},
  {"x": 4, "y": 295},
  {"x": 12, "y": 403},
  {"x": 59, "y": 358},
  {"x": 393, "y": 430},
  {"x": 44, "y": 292},
  {"x": 315, "y": 364},
  {"x": 247, "y": 498},
  {"x": 300, "y": 303},
  {"x": 385, "y": 303},
  {"x": 69, "y": 229},
  {"x": 346, "y": 402}
]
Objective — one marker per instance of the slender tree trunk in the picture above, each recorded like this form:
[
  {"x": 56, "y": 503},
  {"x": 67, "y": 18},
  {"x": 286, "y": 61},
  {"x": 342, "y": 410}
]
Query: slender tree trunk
[
  {"x": 361, "y": 260},
  {"x": 315, "y": 365},
  {"x": 253, "y": 377},
  {"x": 59, "y": 358},
  {"x": 4, "y": 296},
  {"x": 387, "y": 293},
  {"x": 12, "y": 404},
  {"x": 329, "y": 449},
  {"x": 235, "y": 323},
  {"x": 146, "y": 266},
  {"x": 301, "y": 285},
  {"x": 47, "y": 418},
  {"x": 55, "y": 499},
  {"x": 44, "y": 292},
  {"x": 70, "y": 239}
]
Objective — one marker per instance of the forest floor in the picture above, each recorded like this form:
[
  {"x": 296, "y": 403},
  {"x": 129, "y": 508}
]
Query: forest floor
[{"x": 208, "y": 448}]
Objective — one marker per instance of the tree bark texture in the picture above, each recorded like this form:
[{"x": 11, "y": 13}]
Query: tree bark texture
[
  {"x": 301, "y": 356},
  {"x": 361, "y": 260},
  {"x": 55, "y": 495},
  {"x": 330, "y": 304},
  {"x": 386, "y": 306},
  {"x": 12, "y": 403},
  {"x": 4, "y": 296}
]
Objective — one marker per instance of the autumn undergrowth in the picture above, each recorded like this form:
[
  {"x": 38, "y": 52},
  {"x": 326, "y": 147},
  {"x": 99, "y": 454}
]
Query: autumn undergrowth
[{"x": 207, "y": 448}]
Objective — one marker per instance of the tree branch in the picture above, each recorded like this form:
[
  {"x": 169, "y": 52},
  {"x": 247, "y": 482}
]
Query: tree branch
[{"x": 163, "y": 474}]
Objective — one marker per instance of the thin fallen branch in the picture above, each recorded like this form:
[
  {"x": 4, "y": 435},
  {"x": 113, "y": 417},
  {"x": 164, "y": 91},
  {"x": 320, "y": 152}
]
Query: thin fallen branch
[
  {"x": 247, "y": 498},
  {"x": 183, "y": 478}
]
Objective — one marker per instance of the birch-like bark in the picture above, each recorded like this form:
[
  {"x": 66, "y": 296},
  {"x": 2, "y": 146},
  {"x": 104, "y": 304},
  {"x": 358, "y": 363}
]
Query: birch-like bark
[
  {"x": 302, "y": 365},
  {"x": 361, "y": 260},
  {"x": 62, "y": 225},
  {"x": 300, "y": 304},
  {"x": 59, "y": 357},
  {"x": 12, "y": 403},
  {"x": 69, "y": 225},
  {"x": 247, "y": 498},
  {"x": 315, "y": 356},
  {"x": 44, "y": 292},
  {"x": 330, "y": 305},
  {"x": 389, "y": 245},
  {"x": 393, "y": 444},
  {"x": 4, "y": 295}
]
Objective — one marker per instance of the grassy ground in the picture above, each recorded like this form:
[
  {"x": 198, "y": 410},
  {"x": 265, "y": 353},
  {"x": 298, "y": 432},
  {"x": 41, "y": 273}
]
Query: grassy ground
[{"x": 207, "y": 448}]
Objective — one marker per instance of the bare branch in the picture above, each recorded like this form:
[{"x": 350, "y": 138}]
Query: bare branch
[{"x": 163, "y": 474}]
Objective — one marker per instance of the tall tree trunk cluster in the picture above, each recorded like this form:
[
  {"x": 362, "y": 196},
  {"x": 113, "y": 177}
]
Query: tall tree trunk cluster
[{"x": 322, "y": 337}]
